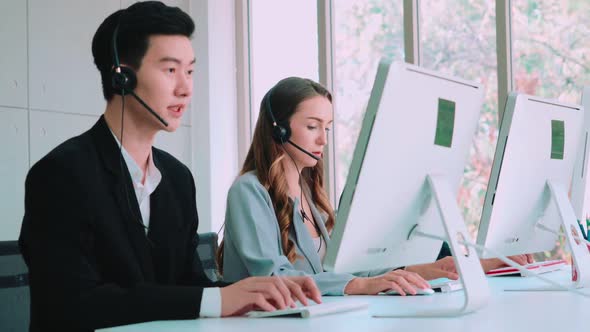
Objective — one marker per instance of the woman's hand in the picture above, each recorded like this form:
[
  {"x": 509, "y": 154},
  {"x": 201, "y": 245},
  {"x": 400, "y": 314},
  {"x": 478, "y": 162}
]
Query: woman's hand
[{"x": 404, "y": 282}]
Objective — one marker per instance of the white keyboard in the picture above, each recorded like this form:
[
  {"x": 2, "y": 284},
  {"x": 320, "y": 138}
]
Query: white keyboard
[
  {"x": 419, "y": 291},
  {"x": 312, "y": 310}
]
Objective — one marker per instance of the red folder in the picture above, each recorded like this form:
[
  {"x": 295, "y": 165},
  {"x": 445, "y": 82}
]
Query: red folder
[{"x": 537, "y": 267}]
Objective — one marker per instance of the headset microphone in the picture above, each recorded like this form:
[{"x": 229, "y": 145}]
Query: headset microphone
[
  {"x": 124, "y": 80},
  {"x": 131, "y": 92},
  {"x": 303, "y": 150}
]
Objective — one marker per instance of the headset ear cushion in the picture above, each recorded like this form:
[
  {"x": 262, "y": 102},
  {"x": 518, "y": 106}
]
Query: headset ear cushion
[
  {"x": 281, "y": 133},
  {"x": 125, "y": 80}
]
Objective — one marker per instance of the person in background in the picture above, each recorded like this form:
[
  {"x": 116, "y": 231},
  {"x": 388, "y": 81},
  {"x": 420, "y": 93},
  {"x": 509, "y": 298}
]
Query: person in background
[{"x": 278, "y": 218}]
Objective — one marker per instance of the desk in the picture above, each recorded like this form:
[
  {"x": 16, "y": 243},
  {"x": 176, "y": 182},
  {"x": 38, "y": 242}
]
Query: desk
[{"x": 506, "y": 311}]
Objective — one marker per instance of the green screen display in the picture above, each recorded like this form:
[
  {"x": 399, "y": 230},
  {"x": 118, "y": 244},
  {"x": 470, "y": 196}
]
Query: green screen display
[
  {"x": 557, "y": 139},
  {"x": 445, "y": 123}
]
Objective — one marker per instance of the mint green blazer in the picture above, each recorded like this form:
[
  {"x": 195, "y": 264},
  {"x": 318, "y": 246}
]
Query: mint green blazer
[{"x": 253, "y": 243}]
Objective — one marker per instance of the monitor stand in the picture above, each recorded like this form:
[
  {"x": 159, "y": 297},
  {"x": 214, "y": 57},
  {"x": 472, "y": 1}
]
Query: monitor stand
[
  {"x": 475, "y": 286},
  {"x": 571, "y": 230}
]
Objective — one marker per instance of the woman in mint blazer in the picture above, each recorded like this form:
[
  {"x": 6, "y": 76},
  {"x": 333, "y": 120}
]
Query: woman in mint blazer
[{"x": 272, "y": 225}]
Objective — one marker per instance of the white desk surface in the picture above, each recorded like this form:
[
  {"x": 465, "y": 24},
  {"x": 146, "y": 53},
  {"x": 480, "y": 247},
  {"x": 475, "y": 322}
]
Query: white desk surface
[{"x": 506, "y": 311}]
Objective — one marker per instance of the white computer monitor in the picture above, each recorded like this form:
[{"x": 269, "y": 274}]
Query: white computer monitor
[
  {"x": 405, "y": 175},
  {"x": 527, "y": 203},
  {"x": 580, "y": 195}
]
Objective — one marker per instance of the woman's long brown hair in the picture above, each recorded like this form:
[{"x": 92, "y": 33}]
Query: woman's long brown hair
[{"x": 265, "y": 156}]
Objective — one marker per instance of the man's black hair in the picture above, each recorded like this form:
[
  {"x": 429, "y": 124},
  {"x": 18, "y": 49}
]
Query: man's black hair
[{"x": 136, "y": 24}]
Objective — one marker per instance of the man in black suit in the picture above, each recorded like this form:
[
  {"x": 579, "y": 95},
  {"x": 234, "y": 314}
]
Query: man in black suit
[{"x": 109, "y": 231}]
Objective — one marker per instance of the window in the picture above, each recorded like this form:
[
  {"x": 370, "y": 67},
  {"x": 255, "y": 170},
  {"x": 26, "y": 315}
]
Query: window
[
  {"x": 551, "y": 47},
  {"x": 365, "y": 31},
  {"x": 459, "y": 38}
]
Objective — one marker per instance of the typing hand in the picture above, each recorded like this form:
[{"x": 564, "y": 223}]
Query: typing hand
[
  {"x": 266, "y": 293},
  {"x": 493, "y": 263},
  {"x": 403, "y": 282},
  {"x": 442, "y": 268}
]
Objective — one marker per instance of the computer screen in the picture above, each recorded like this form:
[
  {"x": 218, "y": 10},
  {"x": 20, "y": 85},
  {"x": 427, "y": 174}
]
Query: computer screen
[
  {"x": 532, "y": 171},
  {"x": 417, "y": 123}
]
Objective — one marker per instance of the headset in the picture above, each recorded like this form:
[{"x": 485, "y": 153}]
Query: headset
[{"x": 124, "y": 79}]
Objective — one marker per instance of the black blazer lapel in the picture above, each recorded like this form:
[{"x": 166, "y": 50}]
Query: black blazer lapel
[{"x": 123, "y": 191}]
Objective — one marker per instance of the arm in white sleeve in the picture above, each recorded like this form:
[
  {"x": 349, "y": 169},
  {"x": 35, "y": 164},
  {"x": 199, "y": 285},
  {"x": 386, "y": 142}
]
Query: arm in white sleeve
[{"x": 211, "y": 302}]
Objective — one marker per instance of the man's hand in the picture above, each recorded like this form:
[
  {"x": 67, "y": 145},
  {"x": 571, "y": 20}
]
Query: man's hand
[
  {"x": 493, "y": 263},
  {"x": 303, "y": 288},
  {"x": 445, "y": 267},
  {"x": 267, "y": 293},
  {"x": 442, "y": 268}
]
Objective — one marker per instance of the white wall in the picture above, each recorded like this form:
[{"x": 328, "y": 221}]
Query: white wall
[
  {"x": 50, "y": 91},
  {"x": 214, "y": 120}
]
